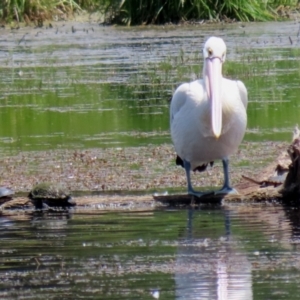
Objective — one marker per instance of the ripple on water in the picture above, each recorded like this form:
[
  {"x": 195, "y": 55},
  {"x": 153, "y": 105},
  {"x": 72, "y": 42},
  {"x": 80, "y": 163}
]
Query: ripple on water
[{"x": 237, "y": 251}]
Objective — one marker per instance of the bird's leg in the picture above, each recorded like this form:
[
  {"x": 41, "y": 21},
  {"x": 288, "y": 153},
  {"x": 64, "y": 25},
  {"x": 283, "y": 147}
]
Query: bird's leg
[
  {"x": 191, "y": 191},
  {"x": 226, "y": 189},
  {"x": 187, "y": 167}
]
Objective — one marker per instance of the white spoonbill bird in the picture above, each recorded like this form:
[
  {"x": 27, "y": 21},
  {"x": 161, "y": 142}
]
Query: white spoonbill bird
[{"x": 208, "y": 117}]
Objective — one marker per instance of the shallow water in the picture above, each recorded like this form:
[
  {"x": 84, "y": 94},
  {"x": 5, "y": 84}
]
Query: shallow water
[
  {"x": 102, "y": 87},
  {"x": 229, "y": 252},
  {"x": 108, "y": 86}
]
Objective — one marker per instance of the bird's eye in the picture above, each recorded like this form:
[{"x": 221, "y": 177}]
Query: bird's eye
[{"x": 210, "y": 52}]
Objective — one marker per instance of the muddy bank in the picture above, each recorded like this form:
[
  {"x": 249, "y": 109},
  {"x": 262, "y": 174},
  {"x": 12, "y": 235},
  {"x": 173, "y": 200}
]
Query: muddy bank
[
  {"x": 124, "y": 178},
  {"x": 147, "y": 169}
]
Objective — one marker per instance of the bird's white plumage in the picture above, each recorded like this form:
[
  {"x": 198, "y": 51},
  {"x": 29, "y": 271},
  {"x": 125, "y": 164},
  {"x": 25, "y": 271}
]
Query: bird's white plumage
[{"x": 191, "y": 110}]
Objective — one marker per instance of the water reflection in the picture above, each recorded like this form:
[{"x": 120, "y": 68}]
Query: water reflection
[
  {"x": 232, "y": 252},
  {"x": 47, "y": 222},
  {"x": 212, "y": 268},
  {"x": 293, "y": 215}
]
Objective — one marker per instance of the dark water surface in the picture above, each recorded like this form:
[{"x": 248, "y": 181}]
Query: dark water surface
[
  {"x": 233, "y": 252},
  {"x": 101, "y": 86}
]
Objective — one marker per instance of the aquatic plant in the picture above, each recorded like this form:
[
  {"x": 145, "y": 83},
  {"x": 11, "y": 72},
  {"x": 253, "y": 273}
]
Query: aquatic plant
[
  {"x": 136, "y": 12},
  {"x": 146, "y": 12},
  {"x": 133, "y": 12}
]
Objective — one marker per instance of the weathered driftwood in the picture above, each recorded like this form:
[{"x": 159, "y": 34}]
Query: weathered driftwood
[
  {"x": 287, "y": 173},
  {"x": 291, "y": 186}
]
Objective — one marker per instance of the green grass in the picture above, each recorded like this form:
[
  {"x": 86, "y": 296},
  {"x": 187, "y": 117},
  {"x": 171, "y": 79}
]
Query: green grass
[
  {"x": 137, "y": 12},
  {"x": 149, "y": 12},
  {"x": 31, "y": 10}
]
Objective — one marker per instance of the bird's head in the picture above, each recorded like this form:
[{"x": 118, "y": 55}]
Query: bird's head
[
  {"x": 214, "y": 53},
  {"x": 214, "y": 48}
]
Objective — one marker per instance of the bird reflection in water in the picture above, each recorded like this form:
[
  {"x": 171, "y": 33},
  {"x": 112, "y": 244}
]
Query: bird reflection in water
[{"x": 212, "y": 268}]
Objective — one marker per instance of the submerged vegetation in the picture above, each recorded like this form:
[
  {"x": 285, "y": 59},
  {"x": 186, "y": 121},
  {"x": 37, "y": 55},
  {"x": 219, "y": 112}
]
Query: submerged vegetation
[{"x": 136, "y": 12}]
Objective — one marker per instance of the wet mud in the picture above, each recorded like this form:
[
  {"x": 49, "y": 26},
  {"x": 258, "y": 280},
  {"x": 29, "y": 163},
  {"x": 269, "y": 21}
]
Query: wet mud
[{"x": 126, "y": 178}]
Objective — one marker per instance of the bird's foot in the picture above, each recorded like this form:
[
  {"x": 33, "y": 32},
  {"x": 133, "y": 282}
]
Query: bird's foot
[
  {"x": 200, "y": 194},
  {"x": 226, "y": 190}
]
